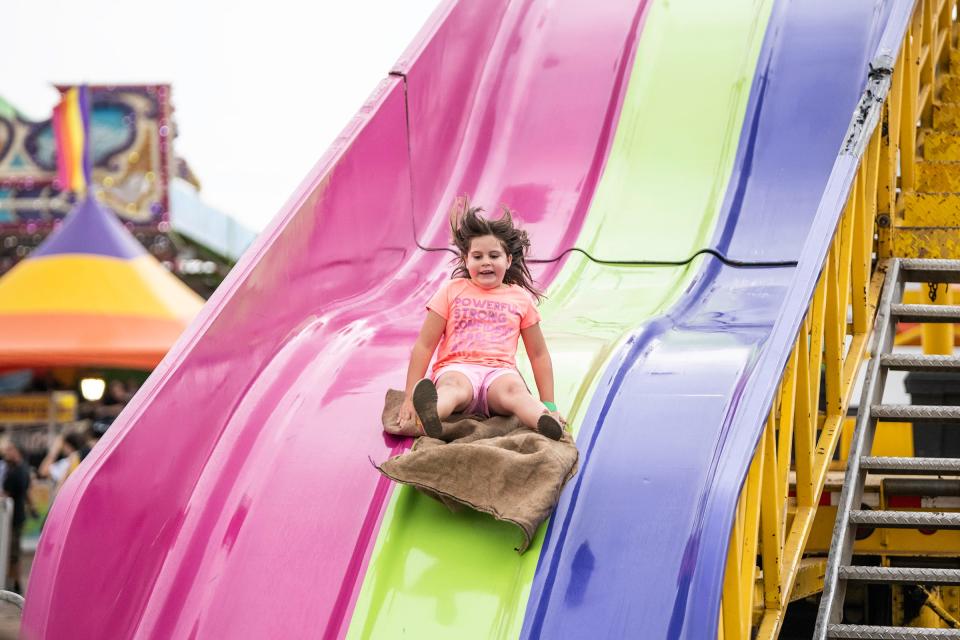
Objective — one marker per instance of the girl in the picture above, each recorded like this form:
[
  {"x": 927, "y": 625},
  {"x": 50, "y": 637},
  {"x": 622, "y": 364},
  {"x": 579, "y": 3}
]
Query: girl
[{"x": 476, "y": 318}]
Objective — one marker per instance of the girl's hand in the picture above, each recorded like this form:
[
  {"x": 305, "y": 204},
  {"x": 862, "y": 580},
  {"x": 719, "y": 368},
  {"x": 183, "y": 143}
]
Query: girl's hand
[
  {"x": 559, "y": 417},
  {"x": 407, "y": 420}
]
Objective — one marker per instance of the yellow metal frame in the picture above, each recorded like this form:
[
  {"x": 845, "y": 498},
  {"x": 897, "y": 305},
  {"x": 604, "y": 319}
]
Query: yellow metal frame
[{"x": 766, "y": 542}]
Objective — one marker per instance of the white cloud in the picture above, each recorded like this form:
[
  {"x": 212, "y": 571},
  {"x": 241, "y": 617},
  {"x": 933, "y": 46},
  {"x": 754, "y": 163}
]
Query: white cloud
[{"x": 260, "y": 90}]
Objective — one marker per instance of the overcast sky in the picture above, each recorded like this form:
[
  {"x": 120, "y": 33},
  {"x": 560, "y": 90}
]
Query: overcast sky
[{"x": 260, "y": 89}]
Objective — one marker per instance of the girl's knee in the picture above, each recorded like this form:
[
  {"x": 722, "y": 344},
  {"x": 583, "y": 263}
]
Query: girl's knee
[
  {"x": 515, "y": 388},
  {"x": 509, "y": 390},
  {"x": 455, "y": 387},
  {"x": 453, "y": 382}
]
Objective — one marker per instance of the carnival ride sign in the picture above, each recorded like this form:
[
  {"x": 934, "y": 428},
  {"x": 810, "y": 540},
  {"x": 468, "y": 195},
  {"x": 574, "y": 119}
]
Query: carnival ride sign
[
  {"x": 38, "y": 408},
  {"x": 131, "y": 138}
]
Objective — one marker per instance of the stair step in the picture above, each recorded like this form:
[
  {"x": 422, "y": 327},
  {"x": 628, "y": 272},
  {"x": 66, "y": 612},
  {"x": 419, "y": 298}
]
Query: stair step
[
  {"x": 916, "y": 466},
  {"x": 925, "y": 241},
  {"x": 907, "y": 519},
  {"x": 915, "y": 413},
  {"x": 925, "y": 312},
  {"x": 946, "y": 116},
  {"x": 922, "y": 209},
  {"x": 900, "y": 575},
  {"x": 937, "y": 176},
  {"x": 917, "y": 362},
  {"x": 866, "y": 632},
  {"x": 941, "y": 145},
  {"x": 914, "y": 270}
]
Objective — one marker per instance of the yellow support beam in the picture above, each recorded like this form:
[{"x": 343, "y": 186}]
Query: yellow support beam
[
  {"x": 884, "y": 216},
  {"x": 772, "y": 524}
]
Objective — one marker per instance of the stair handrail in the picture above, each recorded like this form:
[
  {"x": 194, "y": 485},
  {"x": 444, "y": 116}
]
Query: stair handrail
[{"x": 841, "y": 544}]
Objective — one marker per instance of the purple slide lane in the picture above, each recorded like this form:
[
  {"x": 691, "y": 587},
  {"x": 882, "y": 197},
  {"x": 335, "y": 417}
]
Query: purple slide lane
[
  {"x": 629, "y": 538},
  {"x": 235, "y": 497},
  {"x": 744, "y": 425}
]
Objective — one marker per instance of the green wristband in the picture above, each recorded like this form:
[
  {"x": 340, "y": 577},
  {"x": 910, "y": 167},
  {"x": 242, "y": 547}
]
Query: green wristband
[{"x": 550, "y": 405}]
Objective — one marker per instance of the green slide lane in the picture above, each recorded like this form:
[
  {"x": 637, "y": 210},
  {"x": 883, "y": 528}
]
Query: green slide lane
[{"x": 435, "y": 574}]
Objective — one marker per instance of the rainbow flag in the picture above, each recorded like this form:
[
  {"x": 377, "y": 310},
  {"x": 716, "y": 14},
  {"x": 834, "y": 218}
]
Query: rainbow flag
[{"x": 71, "y": 128}]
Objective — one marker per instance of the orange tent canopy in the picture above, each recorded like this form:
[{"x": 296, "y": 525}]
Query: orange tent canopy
[{"x": 91, "y": 295}]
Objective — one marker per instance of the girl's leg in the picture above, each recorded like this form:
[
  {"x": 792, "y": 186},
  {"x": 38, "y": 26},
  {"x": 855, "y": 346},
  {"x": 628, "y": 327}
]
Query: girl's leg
[
  {"x": 454, "y": 393},
  {"x": 508, "y": 395},
  {"x": 435, "y": 401}
]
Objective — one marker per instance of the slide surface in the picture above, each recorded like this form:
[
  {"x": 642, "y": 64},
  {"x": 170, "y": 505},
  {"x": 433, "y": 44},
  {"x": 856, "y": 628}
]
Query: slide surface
[
  {"x": 681, "y": 378},
  {"x": 235, "y": 495}
]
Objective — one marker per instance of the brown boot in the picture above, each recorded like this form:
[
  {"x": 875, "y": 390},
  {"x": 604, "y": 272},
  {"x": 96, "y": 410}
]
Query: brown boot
[
  {"x": 550, "y": 427},
  {"x": 425, "y": 404}
]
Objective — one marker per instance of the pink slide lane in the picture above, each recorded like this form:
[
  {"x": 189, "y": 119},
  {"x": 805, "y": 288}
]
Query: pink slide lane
[{"x": 235, "y": 496}]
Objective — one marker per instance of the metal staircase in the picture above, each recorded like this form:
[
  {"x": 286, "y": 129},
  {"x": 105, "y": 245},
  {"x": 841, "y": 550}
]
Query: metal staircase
[{"x": 839, "y": 570}]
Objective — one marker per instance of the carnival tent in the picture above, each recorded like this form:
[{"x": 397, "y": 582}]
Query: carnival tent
[{"x": 91, "y": 295}]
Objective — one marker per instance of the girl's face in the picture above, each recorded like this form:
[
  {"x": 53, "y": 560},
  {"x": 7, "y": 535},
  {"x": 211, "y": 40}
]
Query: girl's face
[{"x": 487, "y": 262}]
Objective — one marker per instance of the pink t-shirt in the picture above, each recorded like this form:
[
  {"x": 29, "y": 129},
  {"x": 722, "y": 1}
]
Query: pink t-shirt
[{"x": 483, "y": 325}]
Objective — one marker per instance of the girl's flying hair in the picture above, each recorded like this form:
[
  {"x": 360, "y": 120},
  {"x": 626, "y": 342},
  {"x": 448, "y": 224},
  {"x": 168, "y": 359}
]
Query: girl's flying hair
[{"x": 466, "y": 223}]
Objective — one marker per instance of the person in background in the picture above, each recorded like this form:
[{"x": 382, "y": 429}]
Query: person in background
[
  {"x": 114, "y": 400},
  {"x": 97, "y": 429},
  {"x": 132, "y": 387},
  {"x": 16, "y": 485},
  {"x": 65, "y": 454}
]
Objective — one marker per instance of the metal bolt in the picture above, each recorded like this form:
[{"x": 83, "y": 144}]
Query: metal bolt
[{"x": 883, "y": 220}]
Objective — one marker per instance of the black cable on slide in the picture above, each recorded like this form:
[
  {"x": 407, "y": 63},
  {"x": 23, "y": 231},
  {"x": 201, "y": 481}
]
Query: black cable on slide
[
  {"x": 730, "y": 262},
  {"x": 673, "y": 263}
]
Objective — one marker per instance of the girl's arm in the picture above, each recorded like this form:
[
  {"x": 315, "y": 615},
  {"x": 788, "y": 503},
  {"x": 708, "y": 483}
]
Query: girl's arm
[
  {"x": 423, "y": 348},
  {"x": 539, "y": 355}
]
